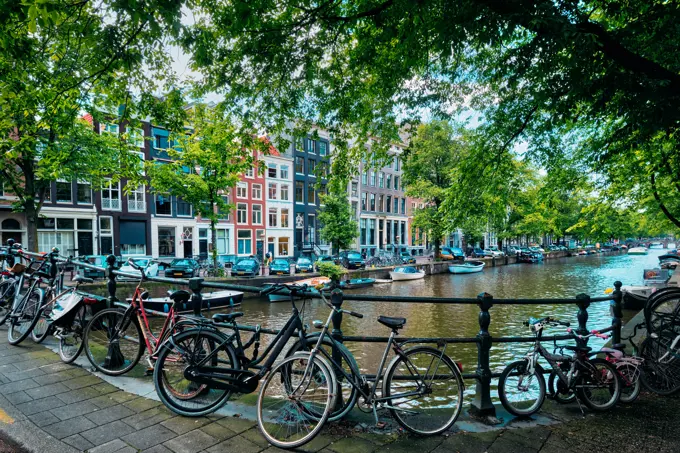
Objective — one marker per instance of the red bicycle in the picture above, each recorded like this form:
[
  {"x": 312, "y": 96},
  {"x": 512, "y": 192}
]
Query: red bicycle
[{"x": 115, "y": 338}]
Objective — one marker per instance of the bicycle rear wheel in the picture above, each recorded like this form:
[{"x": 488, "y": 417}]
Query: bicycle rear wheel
[
  {"x": 111, "y": 346},
  {"x": 521, "y": 392},
  {"x": 630, "y": 382},
  {"x": 599, "y": 387},
  {"x": 181, "y": 395},
  {"x": 663, "y": 312},
  {"x": 23, "y": 319},
  {"x": 42, "y": 328},
  {"x": 71, "y": 341},
  {"x": 6, "y": 298},
  {"x": 660, "y": 369},
  {"x": 295, "y": 400},
  {"x": 425, "y": 390}
]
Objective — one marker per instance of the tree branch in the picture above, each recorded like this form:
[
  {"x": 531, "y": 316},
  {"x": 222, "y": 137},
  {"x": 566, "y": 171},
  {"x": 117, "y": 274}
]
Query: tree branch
[{"x": 662, "y": 206}]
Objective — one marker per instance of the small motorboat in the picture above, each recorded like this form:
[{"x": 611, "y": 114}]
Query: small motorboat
[
  {"x": 635, "y": 297},
  {"x": 638, "y": 251},
  {"x": 669, "y": 261},
  {"x": 284, "y": 296},
  {"x": 210, "y": 300},
  {"x": 406, "y": 273},
  {"x": 467, "y": 267},
  {"x": 356, "y": 283}
]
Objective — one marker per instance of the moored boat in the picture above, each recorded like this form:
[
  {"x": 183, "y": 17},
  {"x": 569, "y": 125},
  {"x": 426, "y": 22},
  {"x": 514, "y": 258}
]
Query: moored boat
[
  {"x": 356, "y": 283},
  {"x": 311, "y": 282},
  {"x": 467, "y": 267},
  {"x": 406, "y": 273},
  {"x": 210, "y": 301},
  {"x": 637, "y": 251}
]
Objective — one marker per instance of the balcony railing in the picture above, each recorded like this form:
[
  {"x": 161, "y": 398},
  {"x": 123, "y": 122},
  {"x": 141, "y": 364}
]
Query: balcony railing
[
  {"x": 136, "y": 205},
  {"x": 111, "y": 203}
]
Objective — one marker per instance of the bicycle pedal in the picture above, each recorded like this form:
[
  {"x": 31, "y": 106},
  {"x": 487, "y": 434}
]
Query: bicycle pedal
[
  {"x": 381, "y": 425},
  {"x": 148, "y": 372}
]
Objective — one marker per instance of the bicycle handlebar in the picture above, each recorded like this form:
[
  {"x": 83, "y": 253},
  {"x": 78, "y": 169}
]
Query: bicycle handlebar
[
  {"x": 593, "y": 333},
  {"x": 353, "y": 313},
  {"x": 547, "y": 319}
]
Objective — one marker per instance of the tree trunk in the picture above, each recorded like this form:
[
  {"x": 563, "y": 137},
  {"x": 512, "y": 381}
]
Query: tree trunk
[
  {"x": 32, "y": 229},
  {"x": 437, "y": 246},
  {"x": 213, "y": 234}
]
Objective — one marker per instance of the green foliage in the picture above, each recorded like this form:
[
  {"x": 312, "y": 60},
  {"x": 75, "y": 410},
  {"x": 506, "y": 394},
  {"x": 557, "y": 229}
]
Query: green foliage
[
  {"x": 335, "y": 218},
  {"x": 330, "y": 270}
]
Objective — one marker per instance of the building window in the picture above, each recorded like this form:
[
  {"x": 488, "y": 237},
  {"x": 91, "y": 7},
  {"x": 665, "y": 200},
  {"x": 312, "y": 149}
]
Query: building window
[
  {"x": 372, "y": 178},
  {"x": 371, "y": 231},
  {"x": 311, "y": 197},
  {"x": 183, "y": 208},
  {"x": 111, "y": 196},
  {"x": 242, "y": 190},
  {"x": 396, "y": 205},
  {"x": 84, "y": 195},
  {"x": 388, "y": 206},
  {"x": 257, "y": 191},
  {"x": 105, "y": 235},
  {"x": 381, "y": 203},
  {"x": 284, "y": 172},
  {"x": 109, "y": 128},
  {"x": 403, "y": 205},
  {"x": 311, "y": 167},
  {"x": 363, "y": 231},
  {"x": 284, "y": 218},
  {"x": 283, "y": 246},
  {"x": 300, "y": 165},
  {"x": 364, "y": 178},
  {"x": 64, "y": 192},
  {"x": 136, "y": 201},
  {"x": 133, "y": 249},
  {"x": 364, "y": 197},
  {"x": 396, "y": 182},
  {"x": 163, "y": 204},
  {"x": 299, "y": 192},
  {"x": 166, "y": 241},
  {"x": 271, "y": 170},
  {"x": 224, "y": 211},
  {"x": 56, "y": 233},
  {"x": 137, "y": 137},
  {"x": 322, "y": 148},
  {"x": 311, "y": 225},
  {"x": 388, "y": 183},
  {"x": 396, "y": 163},
  {"x": 273, "y": 217},
  {"x": 372, "y": 202},
  {"x": 241, "y": 213},
  {"x": 245, "y": 242},
  {"x": 284, "y": 192},
  {"x": 310, "y": 146},
  {"x": 355, "y": 189},
  {"x": 257, "y": 214},
  {"x": 250, "y": 173},
  {"x": 222, "y": 241},
  {"x": 381, "y": 180},
  {"x": 272, "y": 191}
]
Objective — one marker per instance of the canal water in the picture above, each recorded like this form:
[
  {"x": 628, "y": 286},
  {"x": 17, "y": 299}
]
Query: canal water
[{"x": 564, "y": 277}]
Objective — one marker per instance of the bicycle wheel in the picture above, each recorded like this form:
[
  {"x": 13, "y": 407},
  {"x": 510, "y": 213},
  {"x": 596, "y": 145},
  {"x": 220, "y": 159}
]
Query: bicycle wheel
[
  {"x": 663, "y": 312},
  {"x": 181, "y": 395},
  {"x": 599, "y": 385},
  {"x": 521, "y": 392},
  {"x": 295, "y": 401},
  {"x": 71, "y": 340},
  {"x": 42, "y": 328},
  {"x": 629, "y": 375},
  {"x": 24, "y": 317},
  {"x": 347, "y": 392},
  {"x": 113, "y": 344},
  {"x": 559, "y": 391},
  {"x": 425, "y": 390},
  {"x": 6, "y": 298},
  {"x": 661, "y": 368}
]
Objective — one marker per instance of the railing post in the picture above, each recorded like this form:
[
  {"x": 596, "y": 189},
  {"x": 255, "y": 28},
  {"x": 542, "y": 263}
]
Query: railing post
[
  {"x": 111, "y": 284},
  {"x": 195, "y": 285},
  {"x": 617, "y": 312},
  {"x": 583, "y": 302},
  {"x": 53, "y": 269},
  {"x": 482, "y": 405}
]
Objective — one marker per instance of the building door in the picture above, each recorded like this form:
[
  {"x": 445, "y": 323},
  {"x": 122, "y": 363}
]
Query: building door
[
  {"x": 203, "y": 243},
  {"x": 188, "y": 248},
  {"x": 271, "y": 246},
  {"x": 380, "y": 234},
  {"x": 85, "y": 243}
]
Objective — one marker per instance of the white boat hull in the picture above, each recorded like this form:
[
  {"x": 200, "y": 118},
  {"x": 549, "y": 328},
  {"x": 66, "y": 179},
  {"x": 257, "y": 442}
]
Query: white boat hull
[
  {"x": 466, "y": 268},
  {"x": 637, "y": 251},
  {"x": 399, "y": 276}
]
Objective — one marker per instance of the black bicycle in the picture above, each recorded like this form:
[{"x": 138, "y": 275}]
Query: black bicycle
[
  {"x": 521, "y": 387},
  {"x": 26, "y": 305}
]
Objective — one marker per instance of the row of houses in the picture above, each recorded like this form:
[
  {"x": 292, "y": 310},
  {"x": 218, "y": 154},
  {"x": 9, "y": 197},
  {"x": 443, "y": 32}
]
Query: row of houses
[{"x": 275, "y": 210}]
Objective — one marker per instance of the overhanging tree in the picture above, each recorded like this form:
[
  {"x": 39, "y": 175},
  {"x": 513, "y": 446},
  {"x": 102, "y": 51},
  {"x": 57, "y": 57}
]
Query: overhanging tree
[{"x": 337, "y": 224}]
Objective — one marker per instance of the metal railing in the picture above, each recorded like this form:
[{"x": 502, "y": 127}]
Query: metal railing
[{"x": 482, "y": 404}]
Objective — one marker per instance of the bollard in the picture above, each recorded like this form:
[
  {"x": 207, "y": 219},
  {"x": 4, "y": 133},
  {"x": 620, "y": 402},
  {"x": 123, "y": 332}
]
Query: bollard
[
  {"x": 111, "y": 284},
  {"x": 583, "y": 302},
  {"x": 53, "y": 270},
  {"x": 617, "y": 312},
  {"x": 482, "y": 405},
  {"x": 336, "y": 301},
  {"x": 195, "y": 285},
  {"x": 493, "y": 261}
]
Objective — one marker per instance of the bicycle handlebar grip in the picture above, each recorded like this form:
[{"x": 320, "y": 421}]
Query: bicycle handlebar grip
[
  {"x": 134, "y": 265},
  {"x": 355, "y": 314},
  {"x": 269, "y": 290}
]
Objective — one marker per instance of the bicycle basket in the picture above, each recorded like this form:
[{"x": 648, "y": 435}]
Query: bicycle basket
[{"x": 18, "y": 268}]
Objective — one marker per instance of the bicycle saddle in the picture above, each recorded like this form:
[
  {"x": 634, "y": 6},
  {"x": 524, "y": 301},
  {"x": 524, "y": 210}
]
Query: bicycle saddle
[
  {"x": 81, "y": 279},
  {"x": 579, "y": 348},
  {"x": 181, "y": 295},
  {"x": 393, "y": 323},
  {"x": 226, "y": 317},
  {"x": 619, "y": 346}
]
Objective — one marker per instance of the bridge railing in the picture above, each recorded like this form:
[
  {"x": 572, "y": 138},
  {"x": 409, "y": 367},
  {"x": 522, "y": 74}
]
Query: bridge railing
[{"x": 482, "y": 404}]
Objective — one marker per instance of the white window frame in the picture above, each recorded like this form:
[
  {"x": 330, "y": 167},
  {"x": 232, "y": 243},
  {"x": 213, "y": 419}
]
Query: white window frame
[
  {"x": 284, "y": 189},
  {"x": 191, "y": 209},
  {"x": 104, "y": 128},
  {"x": 283, "y": 172},
  {"x": 239, "y": 211},
  {"x": 275, "y": 211},
  {"x": 250, "y": 173},
  {"x": 257, "y": 187},
  {"x": 242, "y": 190},
  {"x": 137, "y": 199},
  {"x": 169, "y": 201},
  {"x": 108, "y": 189},
  {"x": 286, "y": 216},
  {"x": 272, "y": 166},
  {"x": 276, "y": 191},
  {"x": 82, "y": 203},
  {"x": 56, "y": 192},
  {"x": 253, "y": 211}
]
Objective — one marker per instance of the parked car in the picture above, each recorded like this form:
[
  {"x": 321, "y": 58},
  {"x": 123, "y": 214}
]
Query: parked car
[
  {"x": 226, "y": 261},
  {"x": 477, "y": 253},
  {"x": 513, "y": 250},
  {"x": 95, "y": 260},
  {"x": 182, "y": 267},
  {"x": 536, "y": 249},
  {"x": 147, "y": 264},
  {"x": 246, "y": 267},
  {"x": 304, "y": 265},
  {"x": 493, "y": 252},
  {"x": 407, "y": 258},
  {"x": 451, "y": 253},
  {"x": 279, "y": 266},
  {"x": 351, "y": 259},
  {"x": 327, "y": 259}
]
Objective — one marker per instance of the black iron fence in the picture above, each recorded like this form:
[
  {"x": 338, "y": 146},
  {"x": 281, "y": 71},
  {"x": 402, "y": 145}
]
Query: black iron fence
[{"x": 482, "y": 404}]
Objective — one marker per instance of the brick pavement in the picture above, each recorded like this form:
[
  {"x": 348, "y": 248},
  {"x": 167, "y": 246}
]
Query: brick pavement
[{"x": 52, "y": 407}]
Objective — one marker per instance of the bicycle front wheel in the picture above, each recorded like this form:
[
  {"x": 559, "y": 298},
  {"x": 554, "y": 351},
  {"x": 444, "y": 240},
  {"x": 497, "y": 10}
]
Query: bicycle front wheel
[
  {"x": 24, "y": 318},
  {"x": 599, "y": 385},
  {"x": 630, "y": 382},
  {"x": 113, "y": 344},
  {"x": 660, "y": 369},
  {"x": 295, "y": 400},
  {"x": 42, "y": 328},
  {"x": 425, "y": 391},
  {"x": 521, "y": 392},
  {"x": 71, "y": 340},
  {"x": 6, "y": 298},
  {"x": 559, "y": 390},
  {"x": 186, "y": 349}
]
